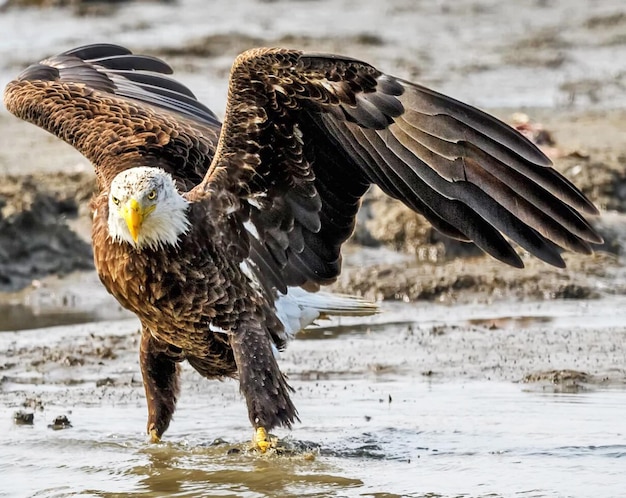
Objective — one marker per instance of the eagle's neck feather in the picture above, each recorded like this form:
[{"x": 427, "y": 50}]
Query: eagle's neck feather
[
  {"x": 164, "y": 230},
  {"x": 164, "y": 227}
]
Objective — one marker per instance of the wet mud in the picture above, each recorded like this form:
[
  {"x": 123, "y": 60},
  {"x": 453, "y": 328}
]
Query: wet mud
[
  {"x": 37, "y": 239},
  {"x": 386, "y": 406}
]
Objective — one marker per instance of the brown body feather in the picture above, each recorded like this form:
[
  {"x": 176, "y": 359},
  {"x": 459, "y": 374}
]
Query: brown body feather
[
  {"x": 303, "y": 138},
  {"x": 182, "y": 294}
]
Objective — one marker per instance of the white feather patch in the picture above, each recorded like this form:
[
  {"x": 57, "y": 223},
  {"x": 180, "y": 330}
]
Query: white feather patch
[
  {"x": 218, "y": 330},
  {"x": 246, "y": 269},
  {"x": 299, "y": 308},
  {"x": 249, "y": 226},
  {"x": 166, "y": 221},
  {"x": 275, "y": 351}
]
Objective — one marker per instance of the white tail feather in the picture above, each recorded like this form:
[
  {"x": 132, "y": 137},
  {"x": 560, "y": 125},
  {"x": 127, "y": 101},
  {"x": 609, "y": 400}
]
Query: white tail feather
[{"x": 299, "y": 308}]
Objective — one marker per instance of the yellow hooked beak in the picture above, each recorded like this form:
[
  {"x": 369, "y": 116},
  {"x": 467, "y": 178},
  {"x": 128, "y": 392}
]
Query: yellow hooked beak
[{"x": 134, "y": 215}]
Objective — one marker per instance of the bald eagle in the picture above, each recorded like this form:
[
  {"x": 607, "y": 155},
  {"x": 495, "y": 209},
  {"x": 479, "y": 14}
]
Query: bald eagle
[{"x": 218, "y": 236}]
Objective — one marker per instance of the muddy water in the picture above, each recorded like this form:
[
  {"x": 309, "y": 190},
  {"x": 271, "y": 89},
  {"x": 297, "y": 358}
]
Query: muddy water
[
  {"x": 433, "y": 439},
  {"x": 392, "y": 407}
]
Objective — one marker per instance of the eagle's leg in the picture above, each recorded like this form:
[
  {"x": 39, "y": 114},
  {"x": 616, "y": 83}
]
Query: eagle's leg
[
  {"x": 262, "y": 383},
  {"x": 160, "y": 371}
]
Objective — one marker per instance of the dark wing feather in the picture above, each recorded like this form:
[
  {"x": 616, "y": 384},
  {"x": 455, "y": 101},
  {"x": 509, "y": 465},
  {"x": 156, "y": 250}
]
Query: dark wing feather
[
  {"x": 305, "y": 135},
  {"x": 119, "y": 110},
  {"x": 97, "y": 51}
]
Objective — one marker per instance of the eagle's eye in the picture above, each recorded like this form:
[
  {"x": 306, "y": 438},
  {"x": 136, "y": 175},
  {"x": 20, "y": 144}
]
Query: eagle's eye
[
  {"x": 152, "y": 195},
  {"x": 115, "y": 200}
]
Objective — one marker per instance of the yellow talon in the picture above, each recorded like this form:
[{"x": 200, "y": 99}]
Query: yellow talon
[
  {"x": 261, "y": 441},
  {"x": 154, "y": 437}
]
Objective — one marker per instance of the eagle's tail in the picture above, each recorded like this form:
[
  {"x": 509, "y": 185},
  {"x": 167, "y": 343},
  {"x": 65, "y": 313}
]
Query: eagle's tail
[{"x": 299, "y": 308}]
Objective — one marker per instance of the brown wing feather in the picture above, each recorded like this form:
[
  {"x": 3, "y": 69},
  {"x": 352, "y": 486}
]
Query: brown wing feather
[
  {"x": 305, "y": 135},
  {"x": 118, "y": 110}
]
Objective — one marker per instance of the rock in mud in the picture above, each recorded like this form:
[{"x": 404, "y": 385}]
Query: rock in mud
[
  {"x": 565, "y": 381},
  {"x": 59, "y": 423},
  {"x": 23, "y": 418}
]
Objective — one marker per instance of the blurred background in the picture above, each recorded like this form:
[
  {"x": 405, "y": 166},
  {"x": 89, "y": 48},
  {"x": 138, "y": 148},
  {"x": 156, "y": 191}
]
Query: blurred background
[{"x": 539, "y": 53}]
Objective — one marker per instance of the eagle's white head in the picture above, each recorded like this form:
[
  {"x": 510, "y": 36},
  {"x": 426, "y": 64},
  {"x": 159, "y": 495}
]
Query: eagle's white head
[{"x": 146, "y": 209}]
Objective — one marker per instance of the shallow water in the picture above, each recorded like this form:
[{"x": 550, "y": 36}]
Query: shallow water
[
  {"x": 392, "y": 407},
  {"x": 433, "y": 439},
  {"x": 21, "y": 317}
]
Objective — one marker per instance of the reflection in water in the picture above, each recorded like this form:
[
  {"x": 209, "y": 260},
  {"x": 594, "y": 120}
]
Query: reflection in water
[
  {"x": 335, "y": 330},
  {"x": 230, "y": 470},
  {"x": 20, "y": 317}
]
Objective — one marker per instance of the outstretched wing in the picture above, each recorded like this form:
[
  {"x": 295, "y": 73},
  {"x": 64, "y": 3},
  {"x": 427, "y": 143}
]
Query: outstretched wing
[
  {"x": 305, "y": 135},
  {"x": 119, "y": 110}
]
